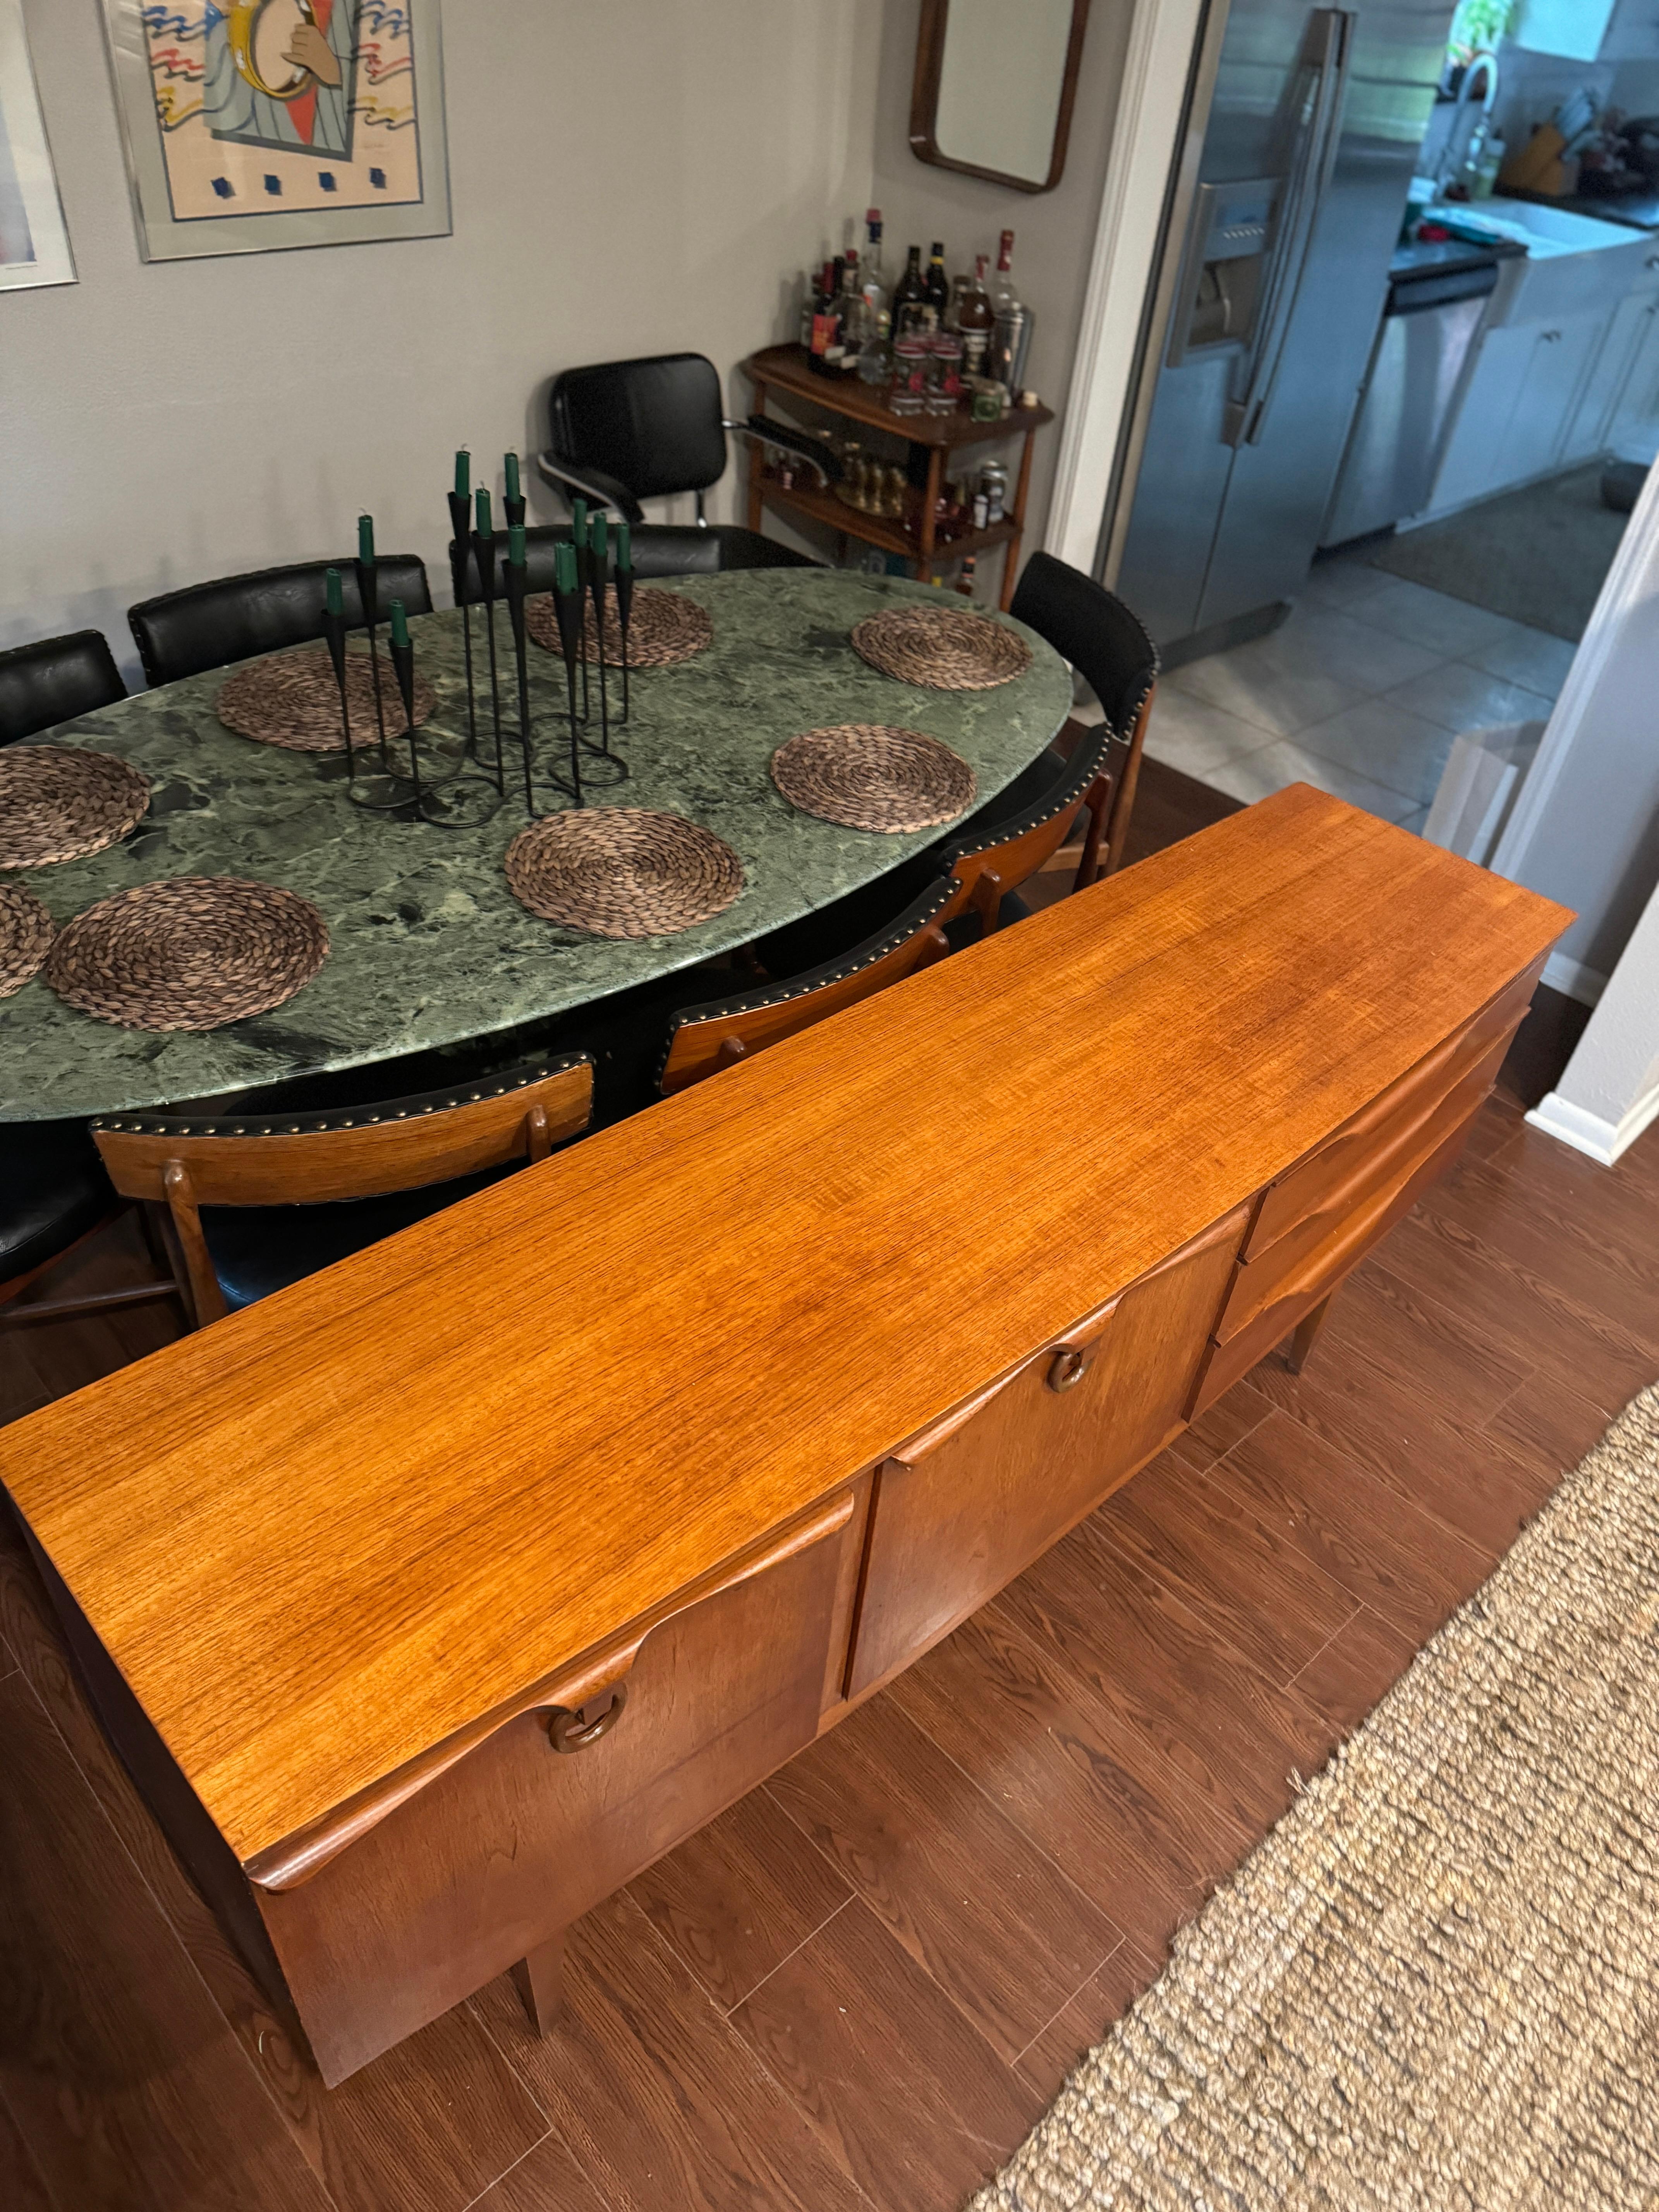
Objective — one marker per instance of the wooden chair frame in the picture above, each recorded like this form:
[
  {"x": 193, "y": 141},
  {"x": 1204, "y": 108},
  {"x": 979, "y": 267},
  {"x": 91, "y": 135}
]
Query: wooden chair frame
[
  {"x": 704, "y": 1039},
  {"x": 177, "y": 1166},
  {"x": 1016, "y": 849}
]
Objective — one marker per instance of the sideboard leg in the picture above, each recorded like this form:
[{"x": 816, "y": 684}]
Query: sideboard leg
[
  {"x": 539, "y": 1979},
  {"x": 1307, "y": 1335}
]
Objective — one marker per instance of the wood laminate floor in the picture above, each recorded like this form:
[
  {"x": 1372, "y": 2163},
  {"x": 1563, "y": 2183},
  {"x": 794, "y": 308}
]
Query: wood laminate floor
[{"x": 860, "y": 1986}]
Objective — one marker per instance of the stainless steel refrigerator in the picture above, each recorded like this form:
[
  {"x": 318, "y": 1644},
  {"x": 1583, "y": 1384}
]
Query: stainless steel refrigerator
[{"x": 1287, "y": 205}]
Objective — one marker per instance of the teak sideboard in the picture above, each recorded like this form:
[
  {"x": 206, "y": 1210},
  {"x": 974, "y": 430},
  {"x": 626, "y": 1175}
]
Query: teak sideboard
[{"x": 431, "y": 1600}]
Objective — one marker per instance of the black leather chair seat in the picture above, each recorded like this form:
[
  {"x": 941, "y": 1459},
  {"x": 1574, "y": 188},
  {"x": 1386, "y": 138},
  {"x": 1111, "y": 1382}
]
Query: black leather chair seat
[
  {"x": 659, "y": 549},
  {"x": 235, "y": 617},
  {"x": 53, "y": 1190},
  {"x": 259, "y": 1249}
]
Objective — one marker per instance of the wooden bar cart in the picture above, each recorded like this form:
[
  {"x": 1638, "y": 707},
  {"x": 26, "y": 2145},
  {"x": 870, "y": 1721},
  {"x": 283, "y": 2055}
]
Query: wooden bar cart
[{"x": 783, "y": 369}]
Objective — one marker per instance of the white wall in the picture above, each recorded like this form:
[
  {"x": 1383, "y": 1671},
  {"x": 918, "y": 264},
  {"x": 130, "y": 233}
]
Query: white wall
[
  {"x": 1609, "y": 1093},
  {"x": 1585, "y": 830},
  {"x": 628, "y": 177}
]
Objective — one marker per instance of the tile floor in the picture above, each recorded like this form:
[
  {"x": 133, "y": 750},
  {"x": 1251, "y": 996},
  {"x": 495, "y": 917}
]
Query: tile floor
[{"x": 1361, "y": 691}]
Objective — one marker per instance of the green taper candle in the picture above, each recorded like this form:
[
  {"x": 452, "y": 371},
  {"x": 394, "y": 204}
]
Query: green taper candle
[
  {"x": 564, "y": 566},
  {"x": 596, "y": 535},
  {"x": 579, "y": 522},
  {"x": 463, "y": 474},
  {"x": 624, "y": 549},
  {"x": 512, "y": 475},
  {"x": 365, "y": 538},
  {"x": 335, "y": 598},
  {"x": 485, "y": 527},
  {"x": 516, "y": 556},
  {"x": 399, "y": 623}
]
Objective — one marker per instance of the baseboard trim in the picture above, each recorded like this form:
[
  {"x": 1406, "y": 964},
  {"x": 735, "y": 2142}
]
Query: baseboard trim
[
  {"x": 1602, "y": 1140},
  {"x": 1569, "y": 976}
]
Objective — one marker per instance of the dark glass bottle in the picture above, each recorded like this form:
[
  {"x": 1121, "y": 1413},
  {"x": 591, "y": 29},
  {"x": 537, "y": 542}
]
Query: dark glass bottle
[
  {"x": 936, "y": 288},
  {"x": 909, "y": 295}
]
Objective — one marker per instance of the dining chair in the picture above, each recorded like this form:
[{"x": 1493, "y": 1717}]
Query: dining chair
[
  {"x": 235, "y": 617},
  {"x": 1108, "y": 645},
  {"x": 1011, "y": 838},
  {"x": 253, "y": 1205},
  {"x": 661, "y": 549},
  {"x": 54, "y": 1194},
  {"x": 702, "y": 1039},
  {"x": 55, "y": 680},
  {"x": 623, "y": 431}
]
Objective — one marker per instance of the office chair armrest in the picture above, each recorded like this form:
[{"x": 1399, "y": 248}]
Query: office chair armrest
[
  {"x": 598, "y": 489},
  {"x": 802, "y": 442}
]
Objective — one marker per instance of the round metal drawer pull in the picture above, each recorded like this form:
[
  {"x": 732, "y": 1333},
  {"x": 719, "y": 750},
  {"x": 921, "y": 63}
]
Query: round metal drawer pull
[
  {"x": 1069, "y": 1366},
  {"x": 568, "y": 1731}
]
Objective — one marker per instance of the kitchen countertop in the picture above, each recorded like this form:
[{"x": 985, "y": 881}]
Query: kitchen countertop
[
  {"x": 1450, "y": 257},
  {"x": 1630, "y": 210}
]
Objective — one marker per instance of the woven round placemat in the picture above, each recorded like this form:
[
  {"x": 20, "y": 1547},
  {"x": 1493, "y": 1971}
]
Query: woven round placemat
[
  {"x": 60, "y": 803},
  {"x": 867, "y": 776},
  {"x": 941, "y": 647},
  {"x": 623, "y": 871},
  {"x": 663, "y": 628},
  {"x": 191, "y": 952},
  {"x": 25, "y": 933},
  {"x": 292, "y": 700}
]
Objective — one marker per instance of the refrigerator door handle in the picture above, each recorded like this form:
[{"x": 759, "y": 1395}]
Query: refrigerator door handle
[{"x": 1328, "y": 50}]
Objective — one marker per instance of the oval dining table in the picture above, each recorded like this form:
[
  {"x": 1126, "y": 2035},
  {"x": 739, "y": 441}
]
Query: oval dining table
[{"x": 427, "y": 946}]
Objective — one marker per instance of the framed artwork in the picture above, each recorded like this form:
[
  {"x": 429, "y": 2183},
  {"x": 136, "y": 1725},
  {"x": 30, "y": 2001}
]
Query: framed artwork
[
  {"x": 252, "y": 125},
  {"x": 34, "y": 246}
]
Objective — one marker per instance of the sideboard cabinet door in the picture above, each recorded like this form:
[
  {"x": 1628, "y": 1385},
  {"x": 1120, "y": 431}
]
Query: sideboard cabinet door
[
  {"x": 969, "y": 1506},
  {"x": 504, "y": 1851}
]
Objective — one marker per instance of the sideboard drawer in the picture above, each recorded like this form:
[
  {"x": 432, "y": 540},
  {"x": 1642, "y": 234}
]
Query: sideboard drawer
[
  {"x": 1263, "y": 1281},
  {"x": 1308, "y": 1188},
  {"x": 516, "y": 1840},
  {"x": 968, "y": 1505},
  {"x": 1229, "y": 1362}
]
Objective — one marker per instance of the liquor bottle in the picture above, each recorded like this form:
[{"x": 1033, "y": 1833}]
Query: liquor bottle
[
  {"x": 965, "y": 575},
  {"x": 936, "y": 285},
  {"x": 825, "y": 319},
  {"x": 876, "y": 358},
  {"x": 909, "y": 295},
  {"x": 873, "y": 279},
  {"x": 1002, "y": 284},
  {"x": 975, "y": 318},
  {"x": 853, "y": 314}
]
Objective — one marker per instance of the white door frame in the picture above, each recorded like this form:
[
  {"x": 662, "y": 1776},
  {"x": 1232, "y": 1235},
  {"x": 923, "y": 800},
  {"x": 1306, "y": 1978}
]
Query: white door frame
[{"x": 1145, "y": 141}]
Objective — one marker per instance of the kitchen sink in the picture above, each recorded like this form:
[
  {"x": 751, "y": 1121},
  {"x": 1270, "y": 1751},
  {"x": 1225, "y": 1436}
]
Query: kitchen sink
[{"x": 1574, "y": 264}]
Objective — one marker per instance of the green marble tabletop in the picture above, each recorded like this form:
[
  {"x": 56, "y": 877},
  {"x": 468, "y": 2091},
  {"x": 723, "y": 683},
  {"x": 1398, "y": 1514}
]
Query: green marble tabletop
[{"x": 427, "y": 946}]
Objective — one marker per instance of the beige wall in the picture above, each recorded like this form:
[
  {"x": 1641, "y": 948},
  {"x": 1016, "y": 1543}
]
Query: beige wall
[
  {"x": 629, "y": 176},
  {"x": 1055, "y": 232}
]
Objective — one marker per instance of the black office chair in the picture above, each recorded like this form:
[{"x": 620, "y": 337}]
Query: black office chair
[
  {"x": 1108, "y": 645},
  {"x": 624, "y": 431},
  {"x": 54, "y": 680},
  {"x": 235, "y": 617},
  {"x": 659, "y": 549}
]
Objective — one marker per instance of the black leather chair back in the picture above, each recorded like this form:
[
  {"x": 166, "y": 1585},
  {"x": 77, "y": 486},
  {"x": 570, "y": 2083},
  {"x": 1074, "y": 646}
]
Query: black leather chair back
[
  {"x": 210, "y": 625},
  {"x": 666, "y": 549},
  {"x": 1092, "y": 628},
  {"x": 655, "y": 425},
  {"x": 55, "y": 680}
]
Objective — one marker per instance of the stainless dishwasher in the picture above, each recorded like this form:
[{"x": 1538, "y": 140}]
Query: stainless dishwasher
[{"x": 1437, "y": 301}]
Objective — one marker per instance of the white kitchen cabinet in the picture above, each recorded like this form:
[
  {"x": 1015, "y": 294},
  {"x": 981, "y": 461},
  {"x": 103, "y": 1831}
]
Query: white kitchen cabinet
[
  {"x": 1520, "y": 409},
  {"x": 1590, "y": 30},
  {"x": 1477, "y": 457}
]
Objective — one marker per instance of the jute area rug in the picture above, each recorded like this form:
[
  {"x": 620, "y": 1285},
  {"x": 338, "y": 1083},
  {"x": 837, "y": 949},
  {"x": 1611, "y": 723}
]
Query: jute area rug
[{"x": 1437, "y": 1982}]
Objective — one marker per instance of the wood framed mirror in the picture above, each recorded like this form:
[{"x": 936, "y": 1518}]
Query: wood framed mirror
[{"x": 995, "y": 88}]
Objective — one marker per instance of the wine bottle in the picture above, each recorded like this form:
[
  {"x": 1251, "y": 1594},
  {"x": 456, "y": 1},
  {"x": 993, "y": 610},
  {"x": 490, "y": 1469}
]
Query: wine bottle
[
  {"x": 909, "y": 295},
  {"x": 826, "y": 322},
  {"x": 975, "y": 318},
  {"x": 853, "y": 315},
  {"x": 936, "y": 285}
]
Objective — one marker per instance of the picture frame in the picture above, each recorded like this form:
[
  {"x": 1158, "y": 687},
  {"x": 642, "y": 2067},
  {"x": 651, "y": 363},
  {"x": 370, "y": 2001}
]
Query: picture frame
[
  {"x": 34, "y": 247},
  {"x": 257, "y": 126}
]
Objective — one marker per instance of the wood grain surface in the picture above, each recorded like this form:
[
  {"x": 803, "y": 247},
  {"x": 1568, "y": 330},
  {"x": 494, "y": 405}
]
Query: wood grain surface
[{"x": 326, "y": 1533}]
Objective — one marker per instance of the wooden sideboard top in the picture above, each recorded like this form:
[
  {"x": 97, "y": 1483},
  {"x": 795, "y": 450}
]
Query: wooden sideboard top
[{"x": 323, "y": 1535}]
